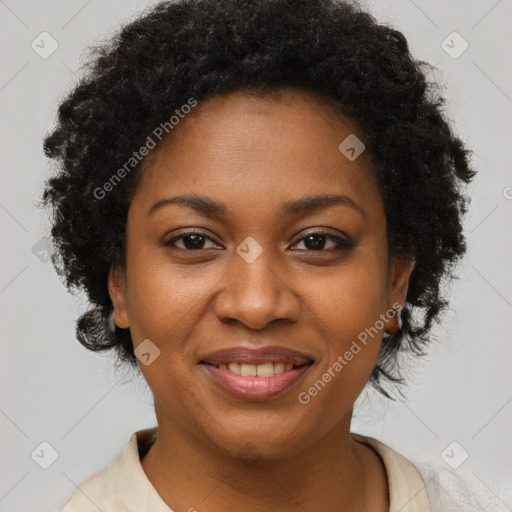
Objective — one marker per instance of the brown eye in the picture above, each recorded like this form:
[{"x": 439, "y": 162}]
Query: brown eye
[
  {"x": 318, "y": 241},
  {"x": 192, "y": 241}
]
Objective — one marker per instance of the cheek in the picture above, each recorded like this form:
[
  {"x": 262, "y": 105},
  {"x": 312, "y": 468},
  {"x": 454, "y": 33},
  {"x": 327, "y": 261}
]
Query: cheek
[
  {"x": 349, "y": 307},
  {"x": 353, "y": 298},
  {"x": 164, "y": 300},
  {"x": 164, "y": 305}
]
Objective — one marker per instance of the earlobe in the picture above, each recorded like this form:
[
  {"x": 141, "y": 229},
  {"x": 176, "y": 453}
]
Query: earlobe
[
  {"x": 117, "y": 292},
  {"x": 398, "y": 285}
]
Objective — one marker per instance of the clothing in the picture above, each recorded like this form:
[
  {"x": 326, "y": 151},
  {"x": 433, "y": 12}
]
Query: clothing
[{"x": 122, "y": 485}]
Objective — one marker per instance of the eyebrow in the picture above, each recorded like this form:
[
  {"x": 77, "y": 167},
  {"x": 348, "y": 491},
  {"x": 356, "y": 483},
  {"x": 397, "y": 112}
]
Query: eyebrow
[{"x": 303, "y": 206}]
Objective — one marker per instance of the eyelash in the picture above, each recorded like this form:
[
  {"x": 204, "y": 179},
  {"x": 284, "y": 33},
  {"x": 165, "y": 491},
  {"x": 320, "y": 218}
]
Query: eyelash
[{"x": 340, "y": 242}]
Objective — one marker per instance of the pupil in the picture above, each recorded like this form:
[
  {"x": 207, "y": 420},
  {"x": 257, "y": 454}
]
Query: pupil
[
  {"x": 316, "y": 245},
  {"x": 197, "y": 240}
]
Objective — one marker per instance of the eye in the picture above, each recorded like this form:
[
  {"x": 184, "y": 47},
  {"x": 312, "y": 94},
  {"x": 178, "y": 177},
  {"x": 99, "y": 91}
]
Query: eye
[
  {"x": 191, "y": 241},
  {"x": 317, "y": 242}
]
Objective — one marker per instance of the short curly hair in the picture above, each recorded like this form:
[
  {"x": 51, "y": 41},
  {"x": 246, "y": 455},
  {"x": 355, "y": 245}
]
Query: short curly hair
[{"x": 135, "y": 80}]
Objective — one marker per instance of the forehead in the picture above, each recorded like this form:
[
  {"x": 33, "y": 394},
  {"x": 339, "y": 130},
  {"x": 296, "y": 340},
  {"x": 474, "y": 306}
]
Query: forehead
[{"x": 258, "y": 149}]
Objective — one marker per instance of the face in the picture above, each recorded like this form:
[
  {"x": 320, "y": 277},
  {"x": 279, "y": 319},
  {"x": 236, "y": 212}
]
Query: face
[{"x": 252, "y": 274}]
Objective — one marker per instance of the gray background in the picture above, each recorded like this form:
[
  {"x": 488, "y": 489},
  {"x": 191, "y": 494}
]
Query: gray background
[{"x": 55, "y": 391}]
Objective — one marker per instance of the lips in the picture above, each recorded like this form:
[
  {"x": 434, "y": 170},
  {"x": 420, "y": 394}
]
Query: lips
[{"x": 256, "y": 373}]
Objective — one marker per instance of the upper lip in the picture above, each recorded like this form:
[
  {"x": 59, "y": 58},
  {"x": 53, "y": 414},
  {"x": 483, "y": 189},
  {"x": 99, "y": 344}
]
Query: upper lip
[{"x": 261, "y": 355}]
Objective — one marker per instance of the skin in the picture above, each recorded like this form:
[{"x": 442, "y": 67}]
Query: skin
[{"x": 253, "y": 153}]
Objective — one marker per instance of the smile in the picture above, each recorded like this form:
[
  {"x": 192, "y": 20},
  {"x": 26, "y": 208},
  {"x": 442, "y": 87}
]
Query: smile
[
  {"x": 256, "y": 373},
  {"x": 256, "y": 387}
]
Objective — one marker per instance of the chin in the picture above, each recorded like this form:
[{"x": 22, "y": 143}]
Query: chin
[{"x": 252, "y": 440}]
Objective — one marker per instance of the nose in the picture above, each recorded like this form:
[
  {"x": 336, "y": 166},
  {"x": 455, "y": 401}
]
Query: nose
[{"x": 256, "y": 294}]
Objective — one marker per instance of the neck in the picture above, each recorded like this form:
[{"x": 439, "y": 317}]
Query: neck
[{"x": 189, "y": 473}]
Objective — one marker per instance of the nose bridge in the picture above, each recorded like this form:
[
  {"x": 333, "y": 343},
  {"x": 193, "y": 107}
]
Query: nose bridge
[
  {"x": 258, "y": 279},
  {"x": 254, "y": 293}
]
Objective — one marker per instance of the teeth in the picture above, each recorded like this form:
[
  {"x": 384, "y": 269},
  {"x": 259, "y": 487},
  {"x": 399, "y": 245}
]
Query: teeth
[
  {"x": 278, "y": 368},
  {"x": 248, "y": 370},
  {"x": 265, "y": 370},
  {"x": 234, "y": 367},
  {"x": 252, "y": 370}
]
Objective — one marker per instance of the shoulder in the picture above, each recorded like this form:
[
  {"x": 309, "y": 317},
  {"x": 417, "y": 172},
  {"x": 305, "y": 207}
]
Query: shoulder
[
  {"x": 443, "y": 489},
  {"x": 90, "y": 495},
  {"x": 407, "y": 491},
  {"x": 122, "y": 485},
  {"x": 448, "y": 490}
]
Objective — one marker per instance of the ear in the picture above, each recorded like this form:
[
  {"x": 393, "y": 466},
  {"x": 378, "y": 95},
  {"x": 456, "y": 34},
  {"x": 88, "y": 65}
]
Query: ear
[
  {"x": 117, "y": 292},
  {"x": 400, "y": 271}
]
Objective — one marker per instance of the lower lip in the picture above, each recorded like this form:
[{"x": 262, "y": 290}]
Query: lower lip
[{"x": 256, "y": 388}]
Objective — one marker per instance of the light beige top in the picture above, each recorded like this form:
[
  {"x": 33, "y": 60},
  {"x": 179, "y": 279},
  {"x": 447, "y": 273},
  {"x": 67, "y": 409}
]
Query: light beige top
[{"x": 122, "y": 485}]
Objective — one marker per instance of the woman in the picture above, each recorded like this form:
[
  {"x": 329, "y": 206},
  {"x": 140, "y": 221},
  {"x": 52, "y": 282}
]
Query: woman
[{"x": 261, "y": 199}]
